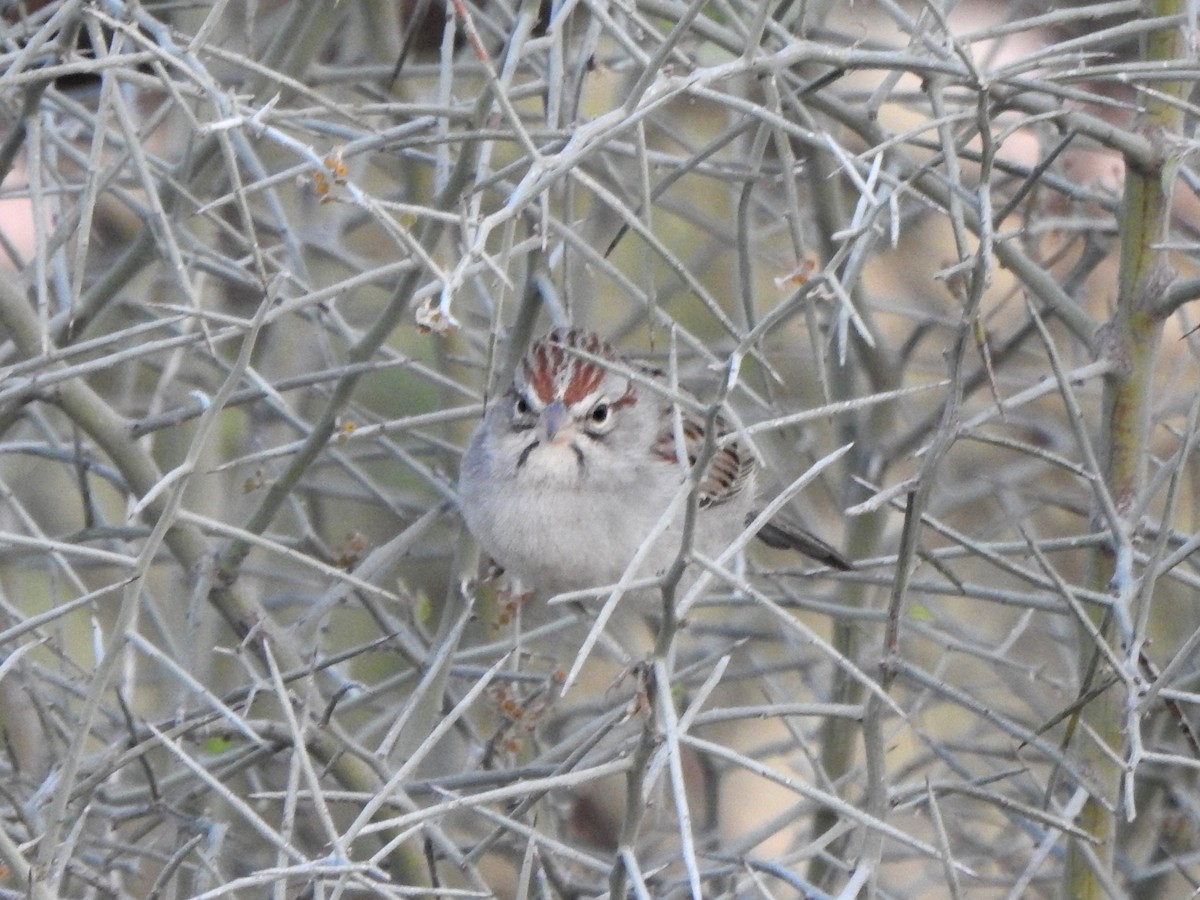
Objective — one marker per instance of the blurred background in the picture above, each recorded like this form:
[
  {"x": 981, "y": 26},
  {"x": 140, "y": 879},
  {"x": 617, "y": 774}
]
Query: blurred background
[{"x": 266, "y": 263}]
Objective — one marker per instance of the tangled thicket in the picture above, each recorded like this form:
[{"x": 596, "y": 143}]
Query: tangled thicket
[{"x": 268, "y": 261}]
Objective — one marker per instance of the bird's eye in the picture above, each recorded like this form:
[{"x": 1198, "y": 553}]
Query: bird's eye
[
  {"x": 521, "y": 407},
  {"x": 600, "y": 414}
]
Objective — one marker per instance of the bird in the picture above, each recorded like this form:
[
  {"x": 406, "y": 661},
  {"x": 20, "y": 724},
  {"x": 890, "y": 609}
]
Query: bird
[{"x": 565, "y": 480}]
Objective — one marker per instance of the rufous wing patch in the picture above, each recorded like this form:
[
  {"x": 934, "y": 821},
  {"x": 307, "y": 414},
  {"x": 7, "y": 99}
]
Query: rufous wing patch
[{"x": 728, "y": 471}]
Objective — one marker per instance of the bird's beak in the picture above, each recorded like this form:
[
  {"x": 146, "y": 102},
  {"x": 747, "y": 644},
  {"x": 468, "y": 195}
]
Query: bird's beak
[{"x": 554, "y": 416}]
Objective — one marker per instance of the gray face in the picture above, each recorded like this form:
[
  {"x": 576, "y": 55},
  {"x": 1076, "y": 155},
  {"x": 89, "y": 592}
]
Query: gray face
[{"x": 568, "y": 419}]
